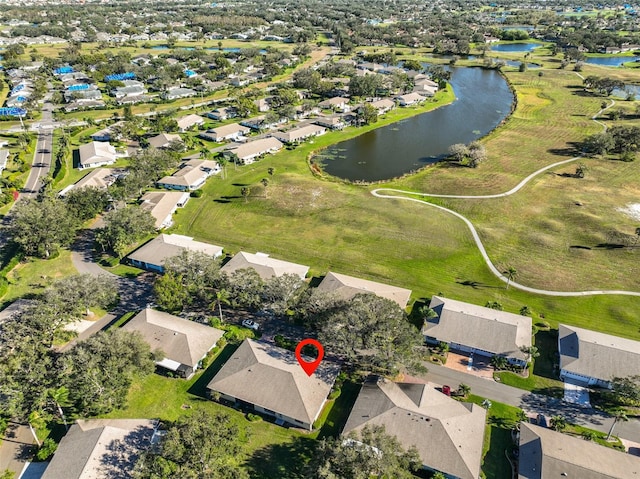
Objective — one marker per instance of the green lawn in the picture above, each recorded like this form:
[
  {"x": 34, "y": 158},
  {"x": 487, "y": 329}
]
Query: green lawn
[
  {"x": 497, "y": 438},
  {"x": 33, "y": 275},
  {"x": 332, "y": 225},
  {"x": 544, "y": 377},
  {"x": 271, "y": 451}
]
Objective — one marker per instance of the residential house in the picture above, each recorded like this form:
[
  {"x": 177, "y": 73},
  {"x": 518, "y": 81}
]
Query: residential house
[
  {"x": 383, "y": 106},
  {"x": 222, "y": 113},
  {"x": 425, "y": 87},
  {"x": 596, "y": 358},
  {"x": 175, "y": 93},
  {"x": 163, "y": 140},
  {"x": 82, "y": 96},
  {"x": 299, "y": 134},
  {"x": 337, "y": 103},
  {"x": 247, "y": 153},
  {"x": 184, "y": 343},
  {"x": 101, "y": 448},
  {"x": 15, "y": 308},
  {"x": 260, "y": 123},
  {"x": 410, "y": 99},
  {"x": 265, "y": 266},
  {"x": 333, "y": 122},
  {"x": 188, "y": 122},
  {"x": 153, "y": 254},
  {"x": 83, "y": 105},
  {"x": 100, "y": 178},
  {"x": 162, "y": 205},
  {"x": 262, "y": 104},
  {"x": 447, "y": 434},
  {"x": 232, "y": 131},
  {"x": 269, "y": 380},
  {"x": 475, "y": 329},
  {"x": 346, "y": 287},
  {"x": 106, "y": 134},
  {"x": 132, "y": 88},
  {"x": 545, "y": 453},
  {"x": 191, "y": 175},
  {"x": 94, "y": 154}
]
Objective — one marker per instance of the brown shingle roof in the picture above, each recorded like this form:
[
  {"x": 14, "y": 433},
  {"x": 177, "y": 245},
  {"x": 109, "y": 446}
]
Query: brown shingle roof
[{"x": 346, "y": 287}]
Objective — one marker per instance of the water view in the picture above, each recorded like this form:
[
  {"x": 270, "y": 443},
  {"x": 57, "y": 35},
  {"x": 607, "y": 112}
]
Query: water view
[
  {"x": 611, "y": 61},
  {"x": 483, "y": 101},
  {"x": 515, "y": 47}
]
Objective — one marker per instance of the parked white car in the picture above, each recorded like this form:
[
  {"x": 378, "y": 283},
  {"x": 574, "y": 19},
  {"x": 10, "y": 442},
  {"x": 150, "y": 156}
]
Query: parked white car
[{"x": 247, "y": 323}]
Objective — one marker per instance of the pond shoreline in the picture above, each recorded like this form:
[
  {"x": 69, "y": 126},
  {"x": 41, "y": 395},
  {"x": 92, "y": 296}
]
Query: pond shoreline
[{"x": 320, "y": 172}]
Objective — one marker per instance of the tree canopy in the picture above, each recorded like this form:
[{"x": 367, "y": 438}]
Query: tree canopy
[
  {"x": 372, "y": 333},
  {"x": 371, "y": 453},
  {"x": 199, "y": 446}
]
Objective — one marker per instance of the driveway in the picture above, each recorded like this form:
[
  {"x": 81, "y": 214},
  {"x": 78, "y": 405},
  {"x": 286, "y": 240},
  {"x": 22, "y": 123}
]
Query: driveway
[
  {"x": 576, "y": 393},
  {"x": 473, "y": 364},
  {"x": 532, "y": 403}
]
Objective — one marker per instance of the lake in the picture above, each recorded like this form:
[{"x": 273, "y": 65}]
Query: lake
[
  {"x": 483, "y": 100},
  {"x": 611, "y": 61},
  {"x": 514, "y": 47}
]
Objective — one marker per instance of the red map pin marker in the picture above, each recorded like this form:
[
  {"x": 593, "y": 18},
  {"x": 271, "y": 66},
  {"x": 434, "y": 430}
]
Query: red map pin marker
[{"x": 309, "y": 367}]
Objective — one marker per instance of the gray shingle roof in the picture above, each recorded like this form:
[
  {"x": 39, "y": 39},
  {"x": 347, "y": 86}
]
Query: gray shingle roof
[
  {"x": 264, "y": 265},
  {"x": 165, "y": 246},
  {"x": 100, "y": 448},
  {"x": 496, "y": 332},
  {"x": 548, "y": 454},
  {"x": 597, "y": 355},
  {"x": 346, "y": 287},
  {"x": 447, "y": 434},
  {"x": 181, "y": 340},
  {"x": 271, "y": 377}
]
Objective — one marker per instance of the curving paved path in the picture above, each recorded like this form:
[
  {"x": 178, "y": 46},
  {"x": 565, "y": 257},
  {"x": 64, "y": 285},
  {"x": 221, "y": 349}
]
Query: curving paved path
[{"x": 385, "y": 193}]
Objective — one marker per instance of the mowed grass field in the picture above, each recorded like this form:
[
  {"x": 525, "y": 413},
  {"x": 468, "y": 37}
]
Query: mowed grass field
[{"x": 331, "y": 225}]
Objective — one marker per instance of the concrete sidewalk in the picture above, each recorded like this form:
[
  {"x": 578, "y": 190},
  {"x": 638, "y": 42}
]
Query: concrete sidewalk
[{"x": 15, "y": 450}]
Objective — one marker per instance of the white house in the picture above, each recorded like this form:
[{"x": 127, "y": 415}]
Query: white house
[
  {"x": 248, "y": 152},
  {"x": 191, "y": 175},
  {"x": 162, "y": 205},
  {"x": 153, "y": 254},
  {"x": 595, "y": 358},
  {"x": 410, "y": 99},
  {"x": 232, "y": 131},
  {"x": 94, "y": 154}
]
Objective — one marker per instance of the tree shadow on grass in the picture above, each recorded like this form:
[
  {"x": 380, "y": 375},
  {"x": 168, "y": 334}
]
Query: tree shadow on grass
[
  {"x": 495, "y": 464},
  {"x": 199, "y": 387},
  {"x": 572, "y": 149},
  {"x": 284, "y": 461},
  {"x": 240, "y": 184},
  {"x": 477, "y": 284},
  {"x": 340, "y": 411}
]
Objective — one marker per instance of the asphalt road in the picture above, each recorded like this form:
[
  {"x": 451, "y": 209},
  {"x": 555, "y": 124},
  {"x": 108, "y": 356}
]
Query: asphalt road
[
  {"x": 532, "y": 403},
  {"x": 42, "y": 158}
]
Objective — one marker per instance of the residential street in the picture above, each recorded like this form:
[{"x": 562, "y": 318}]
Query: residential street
[{"x": 532, "y": 403}]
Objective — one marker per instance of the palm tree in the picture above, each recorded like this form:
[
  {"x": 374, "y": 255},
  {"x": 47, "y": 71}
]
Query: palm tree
[
  {"x": 36, "y": 419},
  {"x": 464, "y": 389},
  {"x": 271, "y": 171},
  {"x": 222, "y": 296},
  {"x": 499, "y": 362},
  {"x": 245, "y": 191},
  {"x": 265, "y": 183},
  {"x": 60, "y": 398},
  {"x": 511, "y": 273},
  {"x": 619, "y": 416}
]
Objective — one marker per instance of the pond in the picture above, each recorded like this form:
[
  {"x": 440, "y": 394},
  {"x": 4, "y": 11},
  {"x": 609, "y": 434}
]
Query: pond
[
  {"x": 515, "y": 47},
  {"x": 483, "y": 101},
  {"x": 612, "y": 61},
  {"x": 628, "y": 89}
]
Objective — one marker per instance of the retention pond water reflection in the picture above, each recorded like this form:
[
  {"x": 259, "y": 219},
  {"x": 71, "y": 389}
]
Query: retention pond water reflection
[{"x": 483, "y": 100}]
